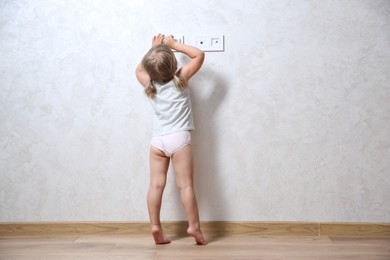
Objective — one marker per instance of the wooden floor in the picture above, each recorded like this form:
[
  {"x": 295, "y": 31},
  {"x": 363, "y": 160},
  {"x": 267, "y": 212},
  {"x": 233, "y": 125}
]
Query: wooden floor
[{"x": 228, "y": 247}]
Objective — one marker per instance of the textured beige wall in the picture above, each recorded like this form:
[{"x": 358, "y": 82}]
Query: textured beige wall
[{"x": 293, "y": 119}]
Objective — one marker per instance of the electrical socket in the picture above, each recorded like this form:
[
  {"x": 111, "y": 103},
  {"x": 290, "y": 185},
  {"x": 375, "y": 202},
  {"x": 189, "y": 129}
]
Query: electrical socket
[{"x": 215, "y": 42}]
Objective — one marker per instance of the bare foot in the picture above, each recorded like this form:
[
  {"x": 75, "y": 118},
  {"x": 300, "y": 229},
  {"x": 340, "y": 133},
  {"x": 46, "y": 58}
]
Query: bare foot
[
  {"x": 197, "y": 234},
  {"x": 159, "y": 236}
]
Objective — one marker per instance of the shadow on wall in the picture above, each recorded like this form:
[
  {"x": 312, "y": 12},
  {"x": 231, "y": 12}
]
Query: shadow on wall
[{"x": 209, "y": 180}]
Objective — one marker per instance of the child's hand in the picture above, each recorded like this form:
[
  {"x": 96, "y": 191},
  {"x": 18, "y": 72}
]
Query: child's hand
[
  {"x": 170, "y": 41},
  {"x": 157, "y": 39}
]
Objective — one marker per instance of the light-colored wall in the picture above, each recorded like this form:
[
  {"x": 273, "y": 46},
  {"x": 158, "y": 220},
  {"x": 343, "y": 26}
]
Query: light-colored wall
[{"x": 293, "y": 119}]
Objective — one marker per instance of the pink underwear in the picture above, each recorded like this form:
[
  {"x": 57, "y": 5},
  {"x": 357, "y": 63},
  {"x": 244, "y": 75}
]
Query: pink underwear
[{"x": 171, "y": 143}]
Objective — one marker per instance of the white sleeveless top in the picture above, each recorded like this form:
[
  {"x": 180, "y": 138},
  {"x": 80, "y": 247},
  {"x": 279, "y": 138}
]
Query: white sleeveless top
[{"x": 172, "y": 109}]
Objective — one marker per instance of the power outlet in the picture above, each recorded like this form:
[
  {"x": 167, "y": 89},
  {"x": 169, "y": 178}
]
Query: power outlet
[{"x": 210, "y": 42}]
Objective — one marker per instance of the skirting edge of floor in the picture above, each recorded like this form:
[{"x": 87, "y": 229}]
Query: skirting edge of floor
[{"x": 219, "y": 228}]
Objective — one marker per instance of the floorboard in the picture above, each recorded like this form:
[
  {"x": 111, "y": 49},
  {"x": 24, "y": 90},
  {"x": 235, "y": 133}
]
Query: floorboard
[{"x": 182, "y": 247}]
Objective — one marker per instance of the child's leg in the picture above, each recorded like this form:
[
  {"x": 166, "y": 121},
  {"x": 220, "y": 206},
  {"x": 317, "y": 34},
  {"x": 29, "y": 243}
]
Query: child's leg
[
  {"x": 159, "y": 164},
  {"x": 184, "y": 169}
]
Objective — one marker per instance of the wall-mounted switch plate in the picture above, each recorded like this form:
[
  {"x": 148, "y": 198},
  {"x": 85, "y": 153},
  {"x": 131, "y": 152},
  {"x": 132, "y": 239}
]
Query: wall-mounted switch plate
[
  {"x": 215, "y": 42},
  {"x": 178, "y": 38}
]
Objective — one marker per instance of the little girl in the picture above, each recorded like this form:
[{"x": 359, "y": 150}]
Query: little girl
[{"x": 166, "y": 88}]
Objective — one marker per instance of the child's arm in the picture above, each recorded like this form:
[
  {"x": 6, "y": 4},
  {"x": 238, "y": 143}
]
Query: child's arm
[
  {"x": 142, "y": 76},
  {"x": 196, "y": 55}
]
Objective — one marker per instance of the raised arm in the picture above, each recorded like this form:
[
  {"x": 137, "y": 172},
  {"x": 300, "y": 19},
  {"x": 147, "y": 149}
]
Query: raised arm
[
  {"x": 196, "y": 55},
  {"x": 141, "y": 74}
]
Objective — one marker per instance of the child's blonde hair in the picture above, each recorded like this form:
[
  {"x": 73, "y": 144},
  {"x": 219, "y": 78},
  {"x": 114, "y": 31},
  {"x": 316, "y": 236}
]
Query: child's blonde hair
[{"x": 160, "y": 63}]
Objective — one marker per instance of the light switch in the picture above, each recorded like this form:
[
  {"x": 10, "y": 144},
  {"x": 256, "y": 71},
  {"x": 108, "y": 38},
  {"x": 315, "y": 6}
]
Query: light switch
[{"x": 179, "y": 38}]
